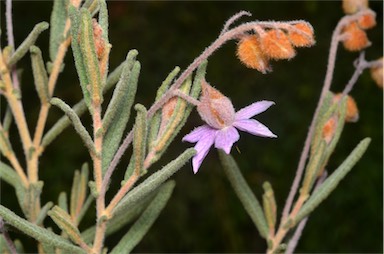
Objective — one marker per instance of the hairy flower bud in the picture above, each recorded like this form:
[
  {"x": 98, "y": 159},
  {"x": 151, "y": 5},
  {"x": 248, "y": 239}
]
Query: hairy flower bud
[
  {"x": 329, "y": 129},
  {"x": 250, "y": 54},
  {"x": 276, "y": 45},
  {"x": 377, "y": 74},
  {"x": 214, "y": 108},
  {"x": 367, "y": 21},
  {"x": 303, "y": 37},
  {"x": 100, "y": 43},
  {"x": 353, "y": 6},
  {"x": 356, "y": 39},
  {"x": 352, "y": 112}
]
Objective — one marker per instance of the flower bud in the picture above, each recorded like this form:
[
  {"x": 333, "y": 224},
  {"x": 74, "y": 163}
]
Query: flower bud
[
  {"x": 329, "y": 129},
  {"x": 352, "y": 112},
  {"x": 100, "y": 44},
  {"x": 250, "y": 54},
  {"x": 353, "y": 6},
  {"x": 303, "y": 39},
  {"x": 356, "y": 38},
  {"x": 276, "y": 45},
  {"x": 367, "y": 21},
  {"x": 377, "y": 74},
  {"x": 214, "y": 108}
]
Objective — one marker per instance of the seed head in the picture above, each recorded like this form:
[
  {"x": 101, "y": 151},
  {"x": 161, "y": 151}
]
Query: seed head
[
  {"x": 352, "y": 112},
  {"x": 367, "y": 21},
  {"x": 377, "y": 74},
  {"x": 303, "y": 37},
  {"x": 356, "y": 38}
]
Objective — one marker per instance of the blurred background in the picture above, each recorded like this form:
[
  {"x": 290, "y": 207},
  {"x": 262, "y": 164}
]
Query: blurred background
[{"x": 204, "y": 214}]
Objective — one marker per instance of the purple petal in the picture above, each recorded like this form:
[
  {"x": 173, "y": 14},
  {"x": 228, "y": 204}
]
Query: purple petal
[
  {"x": 198, "y": 133},
  {"x": 254, "y": 127},
  {"x": 202, "y": 148},
  {"x": 225, "y": 138},
  {"x": 253, "y": 109}
]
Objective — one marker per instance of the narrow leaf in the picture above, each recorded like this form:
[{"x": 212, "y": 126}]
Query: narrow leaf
[
  {"x": 116, "y": 129},
  {"x": 153, "y": 181},
  {"x": 333, "y": 180},
  {"x": 43, "y": 213},
  {"x": 269, "y": 206},
  {"x": 84, "y": 208},
  {"x": 63, "y": 201},
  {"x": 11, "y": 177},
  {"x": 74, "y": 15},
  {"x": 58, "y": 19},
  {"x": 39, "y": 74},
  {"x": 76, "y": 122},
  {"x": 27, "y": 43},
  {"x": 244, "y": 192},
  {"x": 39, "y": 233},
  {"x": 79, "y": 109},
  {"x": 91, "y": 62},
  {"x": 139, "y": 142},
  {"x": 79, "y": 191},
  {"x": 122, "y": 219},
  {"x": 103, "y": 19},
  {"x": 146, "y": 220}
]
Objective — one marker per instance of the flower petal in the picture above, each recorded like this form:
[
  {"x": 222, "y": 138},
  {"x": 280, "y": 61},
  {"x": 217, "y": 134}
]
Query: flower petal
[
  {"x": 202, "y": 148},
  {"x": 253, "y": 109},
  {"x": 254, "y": 127},
  {"x": 198, "y": 133},
  {"x": 225, "y": 138}
]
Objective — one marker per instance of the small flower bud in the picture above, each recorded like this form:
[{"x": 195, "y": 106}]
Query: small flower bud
[
  {"x": 250, "y": 54},
  {"x": 214, "y": 108},
  {"x": 100, "y": 44},
  {"x": 303, "y": 39},
  {"x": 276, "y": 45},
  {"x": 377, "y": 74},
  {"x": 352, "y": 112},
  {"x": 356, "y": 38},
  {"x": 367, "y": 21},
  {"x": 353, "y": 6},
  {"x": 329, "y": 129}
]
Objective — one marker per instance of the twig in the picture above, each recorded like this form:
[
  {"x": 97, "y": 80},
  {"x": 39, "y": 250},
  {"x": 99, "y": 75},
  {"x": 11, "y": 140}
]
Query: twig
[
  {"x": 11, "y": 40},
  {"x": 296, "y": 236},
  {"x": 326, "y": 86}
]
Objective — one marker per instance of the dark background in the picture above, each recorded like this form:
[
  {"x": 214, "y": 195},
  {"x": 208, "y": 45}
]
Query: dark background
[{"x": 204, "y": 215}]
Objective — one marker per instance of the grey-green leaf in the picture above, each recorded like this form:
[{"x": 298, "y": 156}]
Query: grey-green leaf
[
  {"x": 11, "y": 177},
  {"x": 27, "y": 43},
  {"x": 153, "y": 181},
  {"x": 333, "y": 180},
  {"x": 146, "y": 220},
  {"x": 39, "y": 233},
  {"x": 39, "y": 74},
  {"x": 244, "y": 192},
  {"x": 116, "y": 128},
  {"x": 58, "y": 19},
  {"x": 80, "y": 129}
]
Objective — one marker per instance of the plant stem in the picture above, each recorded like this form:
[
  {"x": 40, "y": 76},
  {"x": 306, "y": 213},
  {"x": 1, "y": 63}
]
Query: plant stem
[{"x": 326, "y": 86}]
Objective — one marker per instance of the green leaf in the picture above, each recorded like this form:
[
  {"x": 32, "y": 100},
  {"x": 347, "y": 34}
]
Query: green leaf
[
  {"x": 103, "y": 19},
  {"x": 27, "y": 43},
  {"x": 90, "y": 60},
  {"x": 136, "y": 163},
  {"x": 11, "y": 177},
  {"x": 153, "y": 181},
  {"x": 122, "y": 219},
  {"x": 39, "y": 233},
  {"x": 269, "y": 206},
  {"x": 58, "y": 19},
  {"x": 63, "y": 201},
  {"x": 80, "y": 108},
  {"x": 79, "y": 191},
  {"x": 146, "y": 220},
  {"x": 43, "y": 213},
  {"x": 74, "y": 15},
  {"x": 76, "y": 122},
  {"x": 39, "y": 74},
  {"x": 333, "y": 180},
  {"x": 116, "y": 128},
  {"x": 244, "y": 192}
]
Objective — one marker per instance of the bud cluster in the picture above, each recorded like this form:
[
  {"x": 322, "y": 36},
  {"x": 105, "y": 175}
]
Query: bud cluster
[{"x": 255, "y": 50}]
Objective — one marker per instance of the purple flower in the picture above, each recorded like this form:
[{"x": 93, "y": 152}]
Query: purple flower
[{"x": 222, "y": 124}]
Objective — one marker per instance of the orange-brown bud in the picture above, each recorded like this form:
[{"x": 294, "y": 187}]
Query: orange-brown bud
[
  {"x": 250, "y": 54},
  {"x": 377, "y": 74},
  {"x": 100, "y": 44},
  {"x": 329, "y": 129},
  {"x": 356, "y": 38},
  {"x": 367, "y": 21},
  {"x": 303, "y": 37},
  {"x": 276, "y": 45},
  {"x": 353, "y": 6},
  {"x": 352, "y": 112}
]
